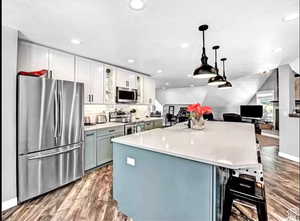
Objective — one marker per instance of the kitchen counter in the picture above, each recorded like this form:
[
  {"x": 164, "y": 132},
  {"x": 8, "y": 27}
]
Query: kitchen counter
[
  {"x": 115, "y": 124},
  {"x": 226, "y": 144},
  {"x": 179, "y": 171},
  {"x": 101, "y": 126}
]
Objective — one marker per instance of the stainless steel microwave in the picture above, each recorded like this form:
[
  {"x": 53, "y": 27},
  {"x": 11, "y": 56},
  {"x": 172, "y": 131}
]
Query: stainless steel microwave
[{"x": 126, "y": 95}]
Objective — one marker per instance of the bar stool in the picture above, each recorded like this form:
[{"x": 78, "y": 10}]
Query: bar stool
[{"x": 245, "y": 190}]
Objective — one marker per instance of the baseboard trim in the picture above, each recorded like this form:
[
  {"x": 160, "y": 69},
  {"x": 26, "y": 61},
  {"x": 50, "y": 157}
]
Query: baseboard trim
[
  {"x": 289, "y": 157},
  {"x": 9, "y": 204}
]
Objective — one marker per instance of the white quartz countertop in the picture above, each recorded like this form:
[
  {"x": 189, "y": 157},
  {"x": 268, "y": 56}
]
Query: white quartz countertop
[
  {"x": 115, "y": 124},
  {"x": 101, "y": 126},
  {"x": 226, "y": 144}
]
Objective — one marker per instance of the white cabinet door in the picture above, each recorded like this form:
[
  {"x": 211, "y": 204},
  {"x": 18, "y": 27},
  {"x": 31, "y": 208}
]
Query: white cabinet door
[
  {"x": 62, "y": 65},
  {"x": 132, "y": 80},
  {"x": 91, "y": 74},
  {"x": 122, "y": 78},
  {"x": 32, "y": 57},
  {"x": 149, "y": 90},
  {"x": 96, "y": 82},
  {"x": 83, "y": 75},
  {"x": 126, "y": 79}
]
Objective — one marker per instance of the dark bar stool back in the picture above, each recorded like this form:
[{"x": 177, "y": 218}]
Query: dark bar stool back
[
  {"x": 232, "y": 117},
  {"x": 208, "y": 116},
  {"x": 245, "y": 190}
]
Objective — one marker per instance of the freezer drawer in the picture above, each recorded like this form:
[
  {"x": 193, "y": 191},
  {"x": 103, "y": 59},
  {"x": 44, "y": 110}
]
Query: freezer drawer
[{"x": 44, "y": 171}]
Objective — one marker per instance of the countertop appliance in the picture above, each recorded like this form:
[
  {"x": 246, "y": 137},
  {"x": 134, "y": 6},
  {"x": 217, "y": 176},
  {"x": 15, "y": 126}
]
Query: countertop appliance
[
  {"x": 88, "y": 121},
  {"x": 50, "y": 134},
  {"x": 101, "y": 119},
  {"x": 126, "y": 95},
  {"x": 155, "y": 114},
  {"x": 119, "y": 116}
]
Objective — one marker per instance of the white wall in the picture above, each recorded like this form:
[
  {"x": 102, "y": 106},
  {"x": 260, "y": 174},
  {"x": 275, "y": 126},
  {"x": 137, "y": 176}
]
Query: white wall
[
  {"x": 9, "y": 68},
  {"x": 289, "y": 127},
  {"x": 221, "y": 101}
]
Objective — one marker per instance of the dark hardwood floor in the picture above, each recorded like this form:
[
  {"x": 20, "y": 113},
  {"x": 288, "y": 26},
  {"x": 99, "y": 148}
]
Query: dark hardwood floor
[{"x": 91, "y": 197}]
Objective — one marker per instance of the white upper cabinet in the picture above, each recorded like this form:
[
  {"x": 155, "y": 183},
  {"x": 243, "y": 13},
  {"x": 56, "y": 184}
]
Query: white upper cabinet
[
  {"x": 62, "y": 65},
  {"x": 91, "y": 74},
  {"x": 126, "y": 79},
  {"x": 32, "y": 57},
  {"x": 149, "y": 90},
  {"x": 100, "y": 81},
  {"x": 96, "y": 82},
  {"x": 82, "y": 75}
]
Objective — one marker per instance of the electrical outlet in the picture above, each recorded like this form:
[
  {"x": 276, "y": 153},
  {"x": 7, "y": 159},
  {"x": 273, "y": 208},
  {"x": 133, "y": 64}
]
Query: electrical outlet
[{"x": 130, "y": 161}]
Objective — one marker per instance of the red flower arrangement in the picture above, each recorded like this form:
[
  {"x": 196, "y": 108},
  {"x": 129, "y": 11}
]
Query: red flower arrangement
[{"x": 197, "y": 110}]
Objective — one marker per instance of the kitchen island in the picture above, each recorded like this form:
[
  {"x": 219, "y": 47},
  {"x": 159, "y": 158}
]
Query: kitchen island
[{"x": 177, "y": 173}]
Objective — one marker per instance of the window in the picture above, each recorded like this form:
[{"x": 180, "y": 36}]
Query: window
[{"x": 265, "y": 98}]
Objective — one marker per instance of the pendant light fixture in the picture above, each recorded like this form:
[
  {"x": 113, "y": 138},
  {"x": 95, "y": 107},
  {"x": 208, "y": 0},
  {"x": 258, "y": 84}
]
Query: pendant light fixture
[
  {"x": 205, "y": 70},
  {"x": 227, "y": 85},
  {"x": 218, "y": 79}
]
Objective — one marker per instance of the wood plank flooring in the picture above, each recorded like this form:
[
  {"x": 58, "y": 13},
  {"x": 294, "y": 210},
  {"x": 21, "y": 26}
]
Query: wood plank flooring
[
  {"x": 91, "y": 197},
  {"x": 87, "y": 199}
]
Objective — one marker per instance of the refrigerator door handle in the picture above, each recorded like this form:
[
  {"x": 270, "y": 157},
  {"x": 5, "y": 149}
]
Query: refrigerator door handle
[
  {"x": 53, "y": 154},
  {"x": 60, "y": 111},
  {"x": 55, "y": 114}
]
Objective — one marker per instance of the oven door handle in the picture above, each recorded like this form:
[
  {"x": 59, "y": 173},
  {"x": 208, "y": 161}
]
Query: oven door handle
[{"x": 53, "y": 154}]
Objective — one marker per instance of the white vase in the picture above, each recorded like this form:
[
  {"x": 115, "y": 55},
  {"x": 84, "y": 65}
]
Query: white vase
[{"x": 198, "y": 123}]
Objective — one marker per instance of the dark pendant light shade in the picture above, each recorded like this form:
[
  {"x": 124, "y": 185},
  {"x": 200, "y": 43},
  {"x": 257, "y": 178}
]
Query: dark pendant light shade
[
  {"x": 227, "y": 85},
  {"x": 218, "y": 79},
  {"x": 205, "y": 70}
]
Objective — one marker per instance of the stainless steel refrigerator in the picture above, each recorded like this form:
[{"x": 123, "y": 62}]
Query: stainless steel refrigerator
[{"x": 50, "y": 134}]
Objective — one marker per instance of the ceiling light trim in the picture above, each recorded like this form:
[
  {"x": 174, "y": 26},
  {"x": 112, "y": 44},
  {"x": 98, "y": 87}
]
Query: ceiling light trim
[{"x": 137, "y": 5}]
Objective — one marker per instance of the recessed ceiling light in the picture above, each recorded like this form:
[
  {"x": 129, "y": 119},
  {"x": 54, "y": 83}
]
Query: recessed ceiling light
[
  {"x": 167, "y": 83},
  {"x": 159, "y": 71},
  {"x": 277, "y": 50},
  {"x": 184, "y": 45},
  {"x": 164, "y": 88},
  {"x": 136, "y": 4},
  {"x": 190, "y": 75},
  {"x": 75, "y": 41},
  {"x": 291, "y": 17},
  {"x": 191, "y": 85},
  {"x": 130, "y": 61}
]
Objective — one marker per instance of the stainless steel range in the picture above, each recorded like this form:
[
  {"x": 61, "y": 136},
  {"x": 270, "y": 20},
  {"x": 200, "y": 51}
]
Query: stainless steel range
[{"x": 50, "y": 134}]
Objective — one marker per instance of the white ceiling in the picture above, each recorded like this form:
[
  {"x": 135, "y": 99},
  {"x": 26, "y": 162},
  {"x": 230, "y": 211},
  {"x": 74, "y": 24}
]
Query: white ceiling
[{"x": 247, "y": 31}]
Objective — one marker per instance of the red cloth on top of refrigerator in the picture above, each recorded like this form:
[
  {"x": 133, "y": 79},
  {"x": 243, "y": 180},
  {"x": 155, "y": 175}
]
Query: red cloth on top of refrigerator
[{"x": 34, "y": 73}]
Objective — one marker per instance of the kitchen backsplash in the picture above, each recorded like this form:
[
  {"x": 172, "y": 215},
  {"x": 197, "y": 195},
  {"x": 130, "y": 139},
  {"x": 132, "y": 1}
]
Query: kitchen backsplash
[{"x": 92, "y": 110}]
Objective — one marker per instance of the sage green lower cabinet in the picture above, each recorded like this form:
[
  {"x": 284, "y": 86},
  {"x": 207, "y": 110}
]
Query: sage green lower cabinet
[
  {"x": 148, "y": 125},
  {"x": 98, "y": 146},
  {"x": 157, "y": 124},
  {"x": 104, "y": 150},
  {"x": 90, "y": 150}
]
